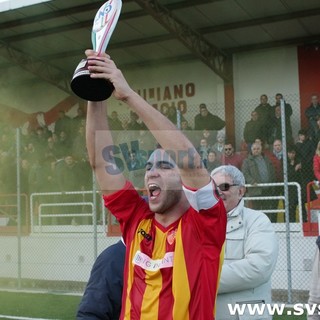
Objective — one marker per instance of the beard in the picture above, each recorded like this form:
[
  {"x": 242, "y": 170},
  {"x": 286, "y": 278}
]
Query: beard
[{"x": 169, "y": 200}]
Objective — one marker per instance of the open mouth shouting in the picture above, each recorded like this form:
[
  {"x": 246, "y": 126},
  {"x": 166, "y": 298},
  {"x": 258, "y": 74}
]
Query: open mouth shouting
[{"x": 154, "y": 191}]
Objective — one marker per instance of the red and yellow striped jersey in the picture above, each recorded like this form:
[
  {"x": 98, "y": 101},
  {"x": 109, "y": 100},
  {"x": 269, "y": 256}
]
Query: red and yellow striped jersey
[{"x": 171, "y": 273}]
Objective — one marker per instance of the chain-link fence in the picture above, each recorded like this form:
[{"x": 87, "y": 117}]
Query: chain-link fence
[{"x": 52, "y": 233}]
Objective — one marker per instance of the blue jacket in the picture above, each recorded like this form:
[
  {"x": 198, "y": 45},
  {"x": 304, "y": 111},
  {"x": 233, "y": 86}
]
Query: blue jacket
[{"x": 102, "y": 297}]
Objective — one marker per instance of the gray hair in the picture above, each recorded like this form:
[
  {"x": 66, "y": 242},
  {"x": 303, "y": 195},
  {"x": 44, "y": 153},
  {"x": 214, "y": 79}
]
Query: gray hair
[{"x": 231, "y": 171}]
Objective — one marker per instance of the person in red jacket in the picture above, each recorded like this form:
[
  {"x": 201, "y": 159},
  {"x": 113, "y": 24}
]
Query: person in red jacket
[
  {"x": 316, "y": 162},
  {"x": 230, "y": 157}
]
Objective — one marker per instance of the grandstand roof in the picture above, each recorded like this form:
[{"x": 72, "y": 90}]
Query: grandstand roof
[{"x": 47, "y": 40}]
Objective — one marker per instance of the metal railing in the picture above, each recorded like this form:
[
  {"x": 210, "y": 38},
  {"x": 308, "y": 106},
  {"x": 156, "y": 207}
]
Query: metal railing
[{"x": 58, "y": 203}]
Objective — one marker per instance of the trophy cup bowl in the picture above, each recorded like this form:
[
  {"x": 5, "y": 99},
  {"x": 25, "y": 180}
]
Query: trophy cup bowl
[{"x": 88, "y": 88}]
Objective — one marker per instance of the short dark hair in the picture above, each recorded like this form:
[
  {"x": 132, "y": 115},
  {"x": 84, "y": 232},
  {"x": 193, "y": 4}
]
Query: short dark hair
[
  {"x": 228, "y": 142},
  {"x": 291, "y": 148},
  {"x": 303, "y": 132}
]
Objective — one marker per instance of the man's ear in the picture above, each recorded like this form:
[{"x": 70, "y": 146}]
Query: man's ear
[{"x": 242, "y": 191}]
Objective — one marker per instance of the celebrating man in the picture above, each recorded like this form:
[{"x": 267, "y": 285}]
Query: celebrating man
[{"x": 174, "y": 242}]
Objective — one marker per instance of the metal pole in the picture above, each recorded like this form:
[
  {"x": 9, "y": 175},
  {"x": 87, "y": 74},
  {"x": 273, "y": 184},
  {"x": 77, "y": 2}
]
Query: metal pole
[
  {"x": 94, "y": 217},
  {"x": 286, "y": 197},
  {"x": 18, "y": 205},
  {"x": 178, "y": 118}
]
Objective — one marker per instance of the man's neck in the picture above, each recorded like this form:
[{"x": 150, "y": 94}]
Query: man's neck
[{"x": 173, "y": 214}]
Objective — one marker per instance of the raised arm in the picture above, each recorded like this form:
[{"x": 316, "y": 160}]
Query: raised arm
[
  {"x": 99, "y": 146},
  {"x": 192, "y": 171}
]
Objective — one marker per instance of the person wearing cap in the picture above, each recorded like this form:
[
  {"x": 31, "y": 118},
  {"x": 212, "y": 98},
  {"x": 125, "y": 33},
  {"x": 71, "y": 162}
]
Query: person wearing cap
[
  {"x": 251, "y": 248},
  {"x": 205, "y": 120}
]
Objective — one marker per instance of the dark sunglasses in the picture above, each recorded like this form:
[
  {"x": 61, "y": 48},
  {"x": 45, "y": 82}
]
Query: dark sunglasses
[{"x": 225, "y": 186}]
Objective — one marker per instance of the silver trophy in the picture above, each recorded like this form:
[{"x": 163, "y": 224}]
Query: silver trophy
[{"x": 103, "y": 26}]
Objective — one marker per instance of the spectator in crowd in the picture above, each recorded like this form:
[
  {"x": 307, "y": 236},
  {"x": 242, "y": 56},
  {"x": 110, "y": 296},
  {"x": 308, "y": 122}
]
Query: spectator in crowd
[
  {"x": 102, "y": 297},
  {"x": 147, "y": 144},
  {"x": 30, "y": 153},
  {"x": 135, "y": 164},
  {"x": 114, "y": 121},
  {"x": 188, "y": 131},
  {"x": 172, "y": 115},
  {"x": 212, "y": 161},
  {"x": 314, "y": 292},
  {"x": 203, "y": 150},
  {"x": 185, "y": 125},
  {"x": 206, "y": 120},
  {"x": 252, "y": 130},
  {"x": 315, "y": 134},
  {"x": 36, "y": 177},
  {"x": 305, "y": 151},
  {"x": 276, "y": 126},
  {"x": 78, "y": 121},
  {"x": 230, "y": 157},
  {"x": 207, "y": 134},
  {"x": 218, "y": 146},
  {"x": 288, "y": 108},
  {"x": 39, "y": 139},
  {"x": 63, "y": 123},
  {"x": 165, "y": 109},
  {"x": 257, "y": 169},
  {"x": 24, "y": 176},
  {"x": 312, "y": 112},
  {"x": 251, "y": 249},
  {"x": 276, "y": 158},
  {"x": 51, "y": 150},
  {"x": 167, "y": 225},
  {"x": 265, "y": 114},
  {"x": 134, "y": 124},
  {"x": 68, "y": 174},
  {"x": 64, "y": 144},
  {"x": 294, "y": 173},
  {"x": 316, "y": 162},
  {"x": 79, "y": 149}
]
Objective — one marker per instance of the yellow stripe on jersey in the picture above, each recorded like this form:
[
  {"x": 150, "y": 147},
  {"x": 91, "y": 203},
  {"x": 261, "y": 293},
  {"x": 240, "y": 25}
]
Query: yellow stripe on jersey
[
  {"x": 150, "y": 304},
  {"x": 180, "y": 282}
]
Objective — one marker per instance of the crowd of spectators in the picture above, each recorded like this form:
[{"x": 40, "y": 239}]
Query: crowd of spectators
[{"x": 57, "y": 160}]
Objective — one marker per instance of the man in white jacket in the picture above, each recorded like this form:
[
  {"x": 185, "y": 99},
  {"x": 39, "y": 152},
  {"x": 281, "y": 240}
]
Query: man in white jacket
[
  {"x": 314, "y": 293},
  {"x": 251, "y": 252}
]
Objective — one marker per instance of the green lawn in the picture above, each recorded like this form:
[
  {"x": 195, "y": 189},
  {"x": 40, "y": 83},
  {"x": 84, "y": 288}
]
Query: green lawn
[
  {"x": 39, "y": 305},
  {"x": 55, "y": 306}
]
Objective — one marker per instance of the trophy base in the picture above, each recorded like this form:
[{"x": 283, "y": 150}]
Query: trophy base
[{"x": 88, "y": 88}]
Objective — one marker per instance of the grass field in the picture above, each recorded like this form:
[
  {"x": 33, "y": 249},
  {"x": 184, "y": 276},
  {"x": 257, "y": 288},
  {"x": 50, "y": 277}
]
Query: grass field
[
  {"x": 38, "y": 305},
  {"x": 25, "y": 306}
]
